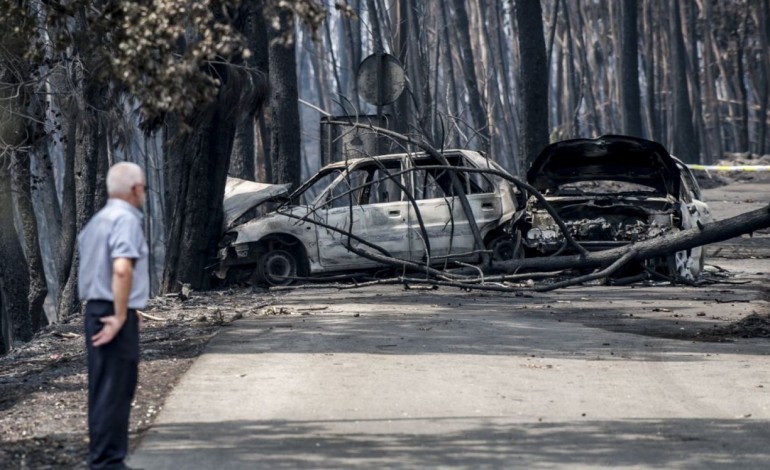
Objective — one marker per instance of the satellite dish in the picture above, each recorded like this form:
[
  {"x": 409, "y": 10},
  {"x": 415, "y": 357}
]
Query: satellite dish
[{"x": 381, "y": 79}]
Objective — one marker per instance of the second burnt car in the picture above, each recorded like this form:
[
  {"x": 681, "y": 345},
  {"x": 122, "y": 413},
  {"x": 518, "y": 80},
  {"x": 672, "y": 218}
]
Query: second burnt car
[
  {"x": 378, "y": 200},
  {"x": 612, "y": 191}
]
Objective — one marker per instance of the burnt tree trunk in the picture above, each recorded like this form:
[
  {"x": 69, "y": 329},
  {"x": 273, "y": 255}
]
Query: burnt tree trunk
[
  {"x": 87, "y": 147},
  {"x": 713, "y": 115},
  {"x": 6, "y": 337},
  {"x": 763, "y": 13},
  {"x": 48, "y": 212},
  {"x": 685, "y": 145},
  {"x": 739, "y": 55},
  {"x": 14, "y": 275},
  {"x": 68, "y": 209},
  {"x": 451, "y": 95},
  {"x": 284, "y": 105},
  {"x": 197, "y": 163},
  {"x": 37, "y": 287},
  {"x": 242, "y": 160},
  {"x": 475, "y": 101},
  {"x": 533, "y": 78},
  {"x": 630, "y": 101}
]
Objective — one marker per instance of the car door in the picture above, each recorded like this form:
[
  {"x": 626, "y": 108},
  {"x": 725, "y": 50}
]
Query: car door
[
  {"x": 449, "y": 232},
  {"x": 340, "y": 213},
  {"x": 386, "y": 208},
  {"x": 369, "y": 196}
]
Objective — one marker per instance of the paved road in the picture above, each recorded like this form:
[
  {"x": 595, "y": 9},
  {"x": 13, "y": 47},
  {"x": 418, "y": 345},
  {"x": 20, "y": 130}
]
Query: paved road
[{"x": 591, "y": 377}]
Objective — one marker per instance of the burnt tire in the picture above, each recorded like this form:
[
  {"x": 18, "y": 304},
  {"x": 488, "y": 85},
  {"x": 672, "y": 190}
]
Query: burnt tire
[
  {"x": 277, "y": 267},
  {"x": 506, "y": 247}
]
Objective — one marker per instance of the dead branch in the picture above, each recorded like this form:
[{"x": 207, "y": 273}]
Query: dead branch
[
  {"x": 147, "y": 316},
  {"x": 608, "y": 271}
]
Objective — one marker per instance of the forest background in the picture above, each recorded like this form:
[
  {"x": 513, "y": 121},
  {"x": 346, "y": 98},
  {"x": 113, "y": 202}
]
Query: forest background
[{"x": 196, "y": 90}]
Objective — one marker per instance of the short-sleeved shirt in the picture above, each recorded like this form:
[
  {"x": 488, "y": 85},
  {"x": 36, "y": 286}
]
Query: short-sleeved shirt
[{"x": 114, "y": 232}]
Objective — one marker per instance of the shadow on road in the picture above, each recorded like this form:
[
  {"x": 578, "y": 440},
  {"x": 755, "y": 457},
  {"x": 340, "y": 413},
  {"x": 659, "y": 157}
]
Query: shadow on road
[{"x": 485, "y": 442}]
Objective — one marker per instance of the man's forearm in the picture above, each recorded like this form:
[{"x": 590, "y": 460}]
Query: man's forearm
[{"x": 122, "y": 276}]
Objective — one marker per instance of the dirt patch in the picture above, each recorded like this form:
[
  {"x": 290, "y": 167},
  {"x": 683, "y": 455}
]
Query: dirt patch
[{"x": 753, "y": 326}]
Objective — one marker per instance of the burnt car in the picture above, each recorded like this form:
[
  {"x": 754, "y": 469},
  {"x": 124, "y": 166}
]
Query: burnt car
[
  {"x": 612, "y": 191},
  {"x": 376, "y": 199}
]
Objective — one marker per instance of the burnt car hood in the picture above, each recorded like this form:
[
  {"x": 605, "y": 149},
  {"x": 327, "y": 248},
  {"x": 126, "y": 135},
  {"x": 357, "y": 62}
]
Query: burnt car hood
[
  {"x": 242, "y": 195},
  {"x": 610, "y": 157}
]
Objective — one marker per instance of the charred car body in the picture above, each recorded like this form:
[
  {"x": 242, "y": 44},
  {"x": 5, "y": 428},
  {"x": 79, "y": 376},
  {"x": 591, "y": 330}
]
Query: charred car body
[
  {"x": 613, "y": 191},
  {"x": 384, "y": 200}
]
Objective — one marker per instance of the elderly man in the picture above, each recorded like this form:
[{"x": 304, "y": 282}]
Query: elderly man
[{"x": 114, "y": 281}]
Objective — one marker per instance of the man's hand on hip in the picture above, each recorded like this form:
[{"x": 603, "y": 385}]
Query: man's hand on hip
[{"x": 112, "y": 326}]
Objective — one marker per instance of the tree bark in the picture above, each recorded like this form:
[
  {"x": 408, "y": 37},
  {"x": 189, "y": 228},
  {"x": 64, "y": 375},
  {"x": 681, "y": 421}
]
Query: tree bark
[
  {"x": 14, "y": 274},
  {"x": 685, "y": 145},
  {"x": 533, "y": 78},
  {"x": 650, "y": 37},
  {"x": 452, "y": 107},
  {"x": 630, "y": 101},
  {"x": 48, "y": 212},
  {"x": 284, "y": 105},
  {"x": 37, "y": 287},
  {"x": 739, "y": 55},
  {"x": 89, "y": 96},
  {"x": 197, "y": 163},
  {"x": 763, "y": 14},
  {"x": 712, "y": 118},
  {"x": 243, "y": 158},
  {"x": 475, "y": 102}
]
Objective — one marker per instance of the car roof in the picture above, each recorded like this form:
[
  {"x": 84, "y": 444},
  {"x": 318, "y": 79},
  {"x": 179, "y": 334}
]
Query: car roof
[{"x": 476, "y": 157}]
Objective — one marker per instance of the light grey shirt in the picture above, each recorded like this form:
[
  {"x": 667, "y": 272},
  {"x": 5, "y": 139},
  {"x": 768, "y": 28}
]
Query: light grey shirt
[{"x": 114, "y": 232}]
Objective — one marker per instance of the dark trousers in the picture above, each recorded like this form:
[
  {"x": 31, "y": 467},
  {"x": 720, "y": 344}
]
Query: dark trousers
[{"x": 112, "y": 375}]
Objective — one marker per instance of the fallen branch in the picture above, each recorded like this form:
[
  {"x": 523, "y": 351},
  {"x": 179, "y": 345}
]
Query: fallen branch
[
  {"x": 609, "y": 271},
  {"x": 66, "y": 335},
  {"x": 147, "y": 316}
]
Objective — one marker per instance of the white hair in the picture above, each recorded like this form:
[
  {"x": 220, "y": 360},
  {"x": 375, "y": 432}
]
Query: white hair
[{"x": 122, "y": 177}]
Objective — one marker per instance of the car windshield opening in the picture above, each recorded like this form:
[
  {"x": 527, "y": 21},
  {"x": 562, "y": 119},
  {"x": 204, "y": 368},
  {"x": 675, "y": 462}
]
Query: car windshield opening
[{"x": 308, "y": 193}]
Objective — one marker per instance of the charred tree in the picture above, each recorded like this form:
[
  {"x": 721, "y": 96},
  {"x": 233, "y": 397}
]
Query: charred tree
[
  {"x": 242, "y": 160},
  {"x": 763, "y": 15},
  {"x": 14, "y": 274},
  {"x": 475, "y": 101},
  {"x": 48, "y": 213},
  {"x": 37, "y": 287},
  {"x": 713, "y": 114},
  {"x": 89, "y": 98},
  {"x": 284, "y": 105},
  {"x": 197, "y": 160},
  {"x": 533, "y": 82},
  {"x": 630, "y": 101},
  {"x": 685, "y": 144}
]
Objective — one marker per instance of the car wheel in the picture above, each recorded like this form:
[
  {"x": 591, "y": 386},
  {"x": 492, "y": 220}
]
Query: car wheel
[
  {"x": 277, "y": 267},
  {"x": 506, "y": 247}
]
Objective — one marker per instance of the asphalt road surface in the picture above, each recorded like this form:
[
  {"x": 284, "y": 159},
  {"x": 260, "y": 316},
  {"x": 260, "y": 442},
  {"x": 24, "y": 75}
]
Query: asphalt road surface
[{"x": 585, "y": 377}]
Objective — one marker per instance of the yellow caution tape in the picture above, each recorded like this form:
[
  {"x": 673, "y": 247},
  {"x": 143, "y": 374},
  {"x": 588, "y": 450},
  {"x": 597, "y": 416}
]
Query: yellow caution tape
[{"x": 729, "y": 168}]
